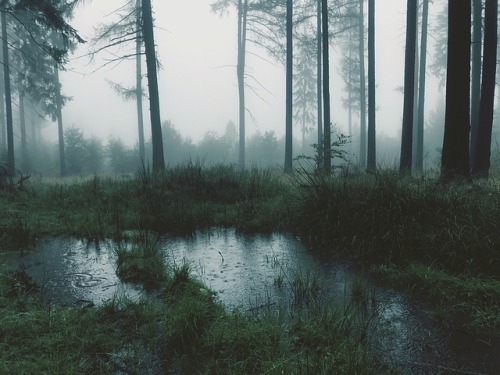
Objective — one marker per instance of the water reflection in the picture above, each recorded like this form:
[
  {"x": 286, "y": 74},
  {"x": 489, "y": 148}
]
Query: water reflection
[
  {"x": 254, "y": 271},
  {"x": 71, "y": 271}
]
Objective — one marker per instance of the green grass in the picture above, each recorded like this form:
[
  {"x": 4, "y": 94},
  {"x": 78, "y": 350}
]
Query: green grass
[
  {"x": 176, "y": 201},
  {"x": 439, "y": 242},
  {"x": 184, "y": 330}
]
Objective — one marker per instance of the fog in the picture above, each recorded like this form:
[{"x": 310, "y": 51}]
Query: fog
[{"x": 197, "y": 80}]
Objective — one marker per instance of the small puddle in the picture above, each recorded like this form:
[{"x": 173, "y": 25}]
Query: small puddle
[
  {"x": 72, "y": 272},
  {"x": 257, "y": 271}
]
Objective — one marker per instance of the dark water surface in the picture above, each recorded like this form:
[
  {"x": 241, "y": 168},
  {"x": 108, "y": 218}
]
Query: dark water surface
[{"x": 253, "y": 272}]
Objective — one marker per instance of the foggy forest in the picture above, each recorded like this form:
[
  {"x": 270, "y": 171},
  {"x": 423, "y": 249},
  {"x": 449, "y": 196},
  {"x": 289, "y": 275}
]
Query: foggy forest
[{"x": 249, "y": 187}]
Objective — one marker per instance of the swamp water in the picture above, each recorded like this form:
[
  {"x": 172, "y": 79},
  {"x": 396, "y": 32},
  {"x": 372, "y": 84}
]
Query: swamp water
[{"x": 255, "y": 272}]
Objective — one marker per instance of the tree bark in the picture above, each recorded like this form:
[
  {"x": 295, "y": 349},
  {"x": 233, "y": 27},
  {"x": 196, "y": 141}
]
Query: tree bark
[
  {"x": 289, "y": 87},
  {"x": 62, "y": 157},
  {"x": 409, "y": 89},
  {"x": 455, "y": 154},
  {"x": 319, "y": 83},
  {"x": 419, "y": 155},
  {"x": 154, "y": 100},
  {"x": 327, "y": 160},
  {"x": 22, "y": 124},
  {"x": 481, "y": 159},
  {"x": 362, "y": 86},
  {"x": 8, "y": 99},
  {"x": 138, "y": 85},
  {"x": 477, "y": 37},
  {"x": 371, "y": 159},
  {"x": 240, "y": 72}
]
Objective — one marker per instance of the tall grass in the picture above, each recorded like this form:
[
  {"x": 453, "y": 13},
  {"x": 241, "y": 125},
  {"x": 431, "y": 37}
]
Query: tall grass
[{"x": 393, "y": 219}]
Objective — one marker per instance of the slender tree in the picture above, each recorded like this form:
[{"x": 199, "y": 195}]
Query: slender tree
[
  {"x": 481, "y": 159},
  {"x": 419, "y": 154},
  {"x": 409, "y": 88},
  {"x": 362, "y": 86},
  {"x": 289, "y": 86},
  {"x": 304, "y": 93},
  {"x": 138, "y": 80},
  {"x": 60, "y": 130},
  {"x": 319, "y": 79},
  {"x": 477, "y": 39},
  {"x": 327, "y": 160},
  {"x": 371, "y": 154},
  {"x": 240, "y": 72},
  {"x": 154, "y": 101},
  {"x": 8, "y": 98},
  {"x": 455, "y": 154}
]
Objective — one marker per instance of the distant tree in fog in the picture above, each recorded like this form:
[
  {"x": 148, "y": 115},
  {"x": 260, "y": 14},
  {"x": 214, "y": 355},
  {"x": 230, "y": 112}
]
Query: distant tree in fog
[
  {"x": 371, "y": 162},
  {"x": 265, "y": 150},
  {"x": 43, "y": 40},
  {"x": 75, "y": 150},
  {"x": 304, "y": 104},
  {"x": 220, "y": 6},
  {"x": 289, "y": 87},
  {"x": 117, "y": 39},
  {"x": 121, "y": 158}
]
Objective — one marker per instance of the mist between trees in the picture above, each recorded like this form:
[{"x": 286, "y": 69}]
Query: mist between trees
[{"x": 38, "y": 42}]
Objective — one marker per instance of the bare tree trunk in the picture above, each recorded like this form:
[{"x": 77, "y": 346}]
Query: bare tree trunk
[
  {"x": 3, "y": 130},
  {"x": 319, "y": 83},
  {"x": 138, "y": 85},
  {"x": 481, "y": 160},
  {"x": 22, "y": 123},
  {"x": 326, "y": 91},
  {"x": 62, "y": 158},
  {"x": 154, "y": 100},
  {"x": 409, "y": 89},
  {"x": 455, "y": 154},
  {"x": 371, "y": 154},
  {"x": 289, "y": 86},
  {"x": 362, "y": 86},
  {"x": 240, "y": 72},
  {"x": 477, "y": 37},
  {"x": 8, "y": 99},
  {"x": 419, "y": 162}
]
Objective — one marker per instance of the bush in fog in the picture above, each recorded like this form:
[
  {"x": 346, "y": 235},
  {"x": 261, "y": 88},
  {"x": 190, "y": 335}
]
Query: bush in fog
[
  {"x": 177, "y": 150},
  {"x": 75, "y": 150},
  {"x": 265, "y": 150},
  {"x": 121, "y": 158}
]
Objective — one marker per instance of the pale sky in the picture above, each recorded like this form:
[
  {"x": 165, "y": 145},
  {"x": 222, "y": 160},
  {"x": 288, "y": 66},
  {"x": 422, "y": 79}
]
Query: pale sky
[{"x": 197, "y": 82}]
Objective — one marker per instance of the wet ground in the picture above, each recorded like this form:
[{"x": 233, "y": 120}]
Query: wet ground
[{"x": 253, "y": 272}]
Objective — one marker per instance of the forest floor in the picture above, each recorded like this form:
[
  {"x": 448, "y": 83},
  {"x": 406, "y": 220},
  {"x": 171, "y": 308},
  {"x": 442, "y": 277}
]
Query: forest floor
[{"x": 440, "y": 243}]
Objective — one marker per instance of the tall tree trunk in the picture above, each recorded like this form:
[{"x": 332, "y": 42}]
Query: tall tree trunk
[
  {"x": 138, "y": 85},
  {"x": 154, "y": 100},
  {"x": 289, "y": 86},
  {"x": 62, "y": 158},
  {"x": 22, "y": 123},
  {"x": 319, "y": 82},
  {"x": 3, "y": 130},
  {"x": 240, "y": 72},
  {"x": 477, "y": 37},
  {"x": 371, "y": 163},
  {"x": 8, "y": 99},
  {"x": 481, "y": 160},
  {"x": 34, "y": 140},
  {"x": 455, "y": 154},
  {"x": 419, "y": 156},
  {"x": 409, "y": 88},
  {"x": 327, "y": 146},
  {"x": 362, "y": 86},
  {"x": 415, "y": 94}
]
